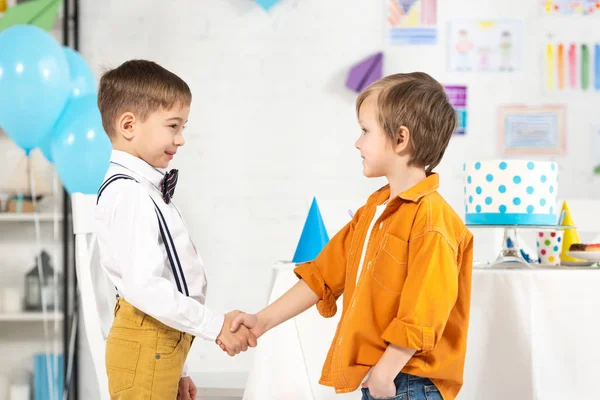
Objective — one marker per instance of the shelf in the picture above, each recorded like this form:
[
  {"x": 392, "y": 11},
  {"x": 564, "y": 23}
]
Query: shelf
[
  {"x": 30, "y": 316},
  {"x": 28, "y": 217}
]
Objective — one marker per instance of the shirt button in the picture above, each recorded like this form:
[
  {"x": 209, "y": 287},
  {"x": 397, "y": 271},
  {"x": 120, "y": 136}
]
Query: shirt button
[
  {"x": 380, "y": 225},
  {"x": 369, "y": 265}
]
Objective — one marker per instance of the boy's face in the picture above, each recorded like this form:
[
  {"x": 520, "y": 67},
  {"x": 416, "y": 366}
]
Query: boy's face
[
  {"x": 374, "y": 144},
  {"x": 160, "y": 135}
]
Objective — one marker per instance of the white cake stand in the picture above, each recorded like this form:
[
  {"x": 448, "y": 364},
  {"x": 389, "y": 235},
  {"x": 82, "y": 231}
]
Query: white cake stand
[{"x": 510, "y": 255}]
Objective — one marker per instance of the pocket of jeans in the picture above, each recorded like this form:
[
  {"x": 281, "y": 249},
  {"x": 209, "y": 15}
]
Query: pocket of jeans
[
  {"x": 389, "y": 269},
  {"x": 121, "y": 364},
  {"x": 432, "y": 393},
  {"x": 401, "y": 396},
  {"x": 168, "y": 343}
]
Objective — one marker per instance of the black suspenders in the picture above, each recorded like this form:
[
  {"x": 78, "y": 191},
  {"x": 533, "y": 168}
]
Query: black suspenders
[{"x": 164, "y": 233}]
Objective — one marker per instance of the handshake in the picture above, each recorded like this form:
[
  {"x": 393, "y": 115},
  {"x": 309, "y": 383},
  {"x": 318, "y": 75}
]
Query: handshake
[{"x": 240, "y": 331}]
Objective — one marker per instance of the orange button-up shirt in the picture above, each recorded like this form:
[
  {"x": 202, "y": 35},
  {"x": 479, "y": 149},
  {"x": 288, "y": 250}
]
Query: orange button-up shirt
[{"x": 414, "y": 290}]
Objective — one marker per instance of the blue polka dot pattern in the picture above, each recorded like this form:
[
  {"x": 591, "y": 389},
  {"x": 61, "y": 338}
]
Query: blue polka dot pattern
[
  {"x": 477, "y": 165},
  {"x": 502, "y": 165},
  {"x": 559, "y": 239},
  {"x": 553, "y": 166},
  {"x": 529, "y": 189},
  {"x": 551, "y": 189},
  {"x": 555, "y": 248},
  {"x": 543, "y": 178},
  {"x": 469, "y": 180},
  {"x": 502, "y": 208},
  {"x": 516, "y": 201},
  {"x": 530, "y": 165},
  {"x": 488, "y": 200},
  {"x": 502, "y": 189},
  {"x": 542, "y": 202},
  {"x": 489, "y": 177},
  {"x": 530, "y": 209},
  {"x": 478, "y": 189},
  {"x": 470, "y": 199},
  {"x": 464, "y": 166},
  {"x": 478, "y": 208},
  {"x": 517, "y": 179}
]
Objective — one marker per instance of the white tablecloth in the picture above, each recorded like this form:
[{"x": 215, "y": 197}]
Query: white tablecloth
[{"x": 534, "y": 335}]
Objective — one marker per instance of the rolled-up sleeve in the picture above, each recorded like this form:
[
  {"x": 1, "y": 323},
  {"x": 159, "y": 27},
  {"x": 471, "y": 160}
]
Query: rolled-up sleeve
[
  {"x": 326, "y": 275},
  {"x": 429, "y": 293}
]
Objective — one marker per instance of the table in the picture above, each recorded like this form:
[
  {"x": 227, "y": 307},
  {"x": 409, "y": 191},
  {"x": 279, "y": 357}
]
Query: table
[{"x": 534, "y": 334}]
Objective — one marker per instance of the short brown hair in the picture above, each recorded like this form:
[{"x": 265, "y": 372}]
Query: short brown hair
[
  {"x": 418, "y": 102},
  {"x": 141, "y": 87}
]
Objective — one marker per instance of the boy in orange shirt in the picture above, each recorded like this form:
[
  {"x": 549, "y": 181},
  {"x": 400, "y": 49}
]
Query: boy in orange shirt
[{"x": 403, "y": 329}]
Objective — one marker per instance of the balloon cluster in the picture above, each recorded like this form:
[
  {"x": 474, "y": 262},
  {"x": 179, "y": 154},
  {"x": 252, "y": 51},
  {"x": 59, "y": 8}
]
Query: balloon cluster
[{"x": 48, "y": 100}]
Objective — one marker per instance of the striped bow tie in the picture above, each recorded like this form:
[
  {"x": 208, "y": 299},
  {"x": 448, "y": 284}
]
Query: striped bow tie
[{"x": 167, "y": 186}]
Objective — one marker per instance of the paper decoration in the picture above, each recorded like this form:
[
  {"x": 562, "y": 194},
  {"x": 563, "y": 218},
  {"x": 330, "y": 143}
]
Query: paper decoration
[
  {"x": 365, "y": 72},
  {"x": 532, "y": 129},
  {"x": 41, "y": 13},
  {"x": 571, "y": 7},
  {"x": 411, "y": 22},
  {"x": 571, "y": 235},
  {"x": 267, "y": 4},
  {"x": 572, "y": 67},
  {"x": 484, "y": 46},
  {"x": 458, "y": 98},
  {"x": 314, "y": 236}
]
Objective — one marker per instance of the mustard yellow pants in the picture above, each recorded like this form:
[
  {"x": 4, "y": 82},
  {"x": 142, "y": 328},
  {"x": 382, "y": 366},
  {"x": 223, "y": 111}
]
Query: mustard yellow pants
[{"x": 144, "y": 357}]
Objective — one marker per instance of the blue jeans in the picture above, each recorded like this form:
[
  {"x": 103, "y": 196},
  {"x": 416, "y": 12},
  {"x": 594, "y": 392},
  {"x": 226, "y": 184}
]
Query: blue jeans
[{"x": 409, "y": 387}]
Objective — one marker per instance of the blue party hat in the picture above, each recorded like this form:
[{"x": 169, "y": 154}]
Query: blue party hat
[
  {"x": 267, "y": 4},
  {"x": 314, "y": 236}
]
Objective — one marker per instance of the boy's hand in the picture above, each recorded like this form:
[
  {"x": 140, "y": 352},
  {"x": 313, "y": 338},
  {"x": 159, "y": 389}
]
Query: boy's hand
[
  {"x": 380, "y": 386},
  {"x": 250, "y": 321},
  {"x": 235, "y": 342},
  {"x": 187, "y": 389}
]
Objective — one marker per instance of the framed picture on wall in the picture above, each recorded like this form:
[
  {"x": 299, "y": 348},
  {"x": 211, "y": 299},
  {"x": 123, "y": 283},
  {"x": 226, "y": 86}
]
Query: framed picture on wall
[
  {"x": 485, "y": 46},
  {"x": 532, "y": 129}
]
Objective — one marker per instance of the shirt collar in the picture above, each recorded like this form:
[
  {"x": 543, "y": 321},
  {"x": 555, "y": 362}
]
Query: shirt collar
[
  {"x": 138, "y": 166},
  {"x": 428, "y": 185}
]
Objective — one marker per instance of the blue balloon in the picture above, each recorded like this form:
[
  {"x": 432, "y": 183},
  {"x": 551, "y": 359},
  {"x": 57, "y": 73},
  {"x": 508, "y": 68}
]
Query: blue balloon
[
  {"x": 82, "y": 78},
  {"x": 82, "y": 83},
  {"x": 80, "y": 147},
  {"x": 34, "y": 84}
]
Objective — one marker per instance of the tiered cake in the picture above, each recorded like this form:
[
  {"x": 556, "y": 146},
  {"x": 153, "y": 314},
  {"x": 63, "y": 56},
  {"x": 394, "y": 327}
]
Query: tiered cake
[{"x": 511, "y": 192}]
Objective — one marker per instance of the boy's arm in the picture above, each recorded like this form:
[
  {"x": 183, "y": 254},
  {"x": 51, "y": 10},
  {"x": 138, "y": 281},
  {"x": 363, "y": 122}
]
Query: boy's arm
[
  {"x": 295, "y": 301},
  {"x": 326, "y": 275},
  {"x": 428, "y": 296},
  {"x": 132, "y": 237},
  {"x": 429, "y": 293},
  {"x": 321, "y": 282}
]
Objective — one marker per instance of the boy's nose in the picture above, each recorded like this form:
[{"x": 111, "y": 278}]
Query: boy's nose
[{"x": 179, "y": 140}]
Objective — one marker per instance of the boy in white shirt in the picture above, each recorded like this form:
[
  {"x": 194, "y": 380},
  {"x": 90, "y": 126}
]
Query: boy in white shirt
[{"x": 145, "y": 248}]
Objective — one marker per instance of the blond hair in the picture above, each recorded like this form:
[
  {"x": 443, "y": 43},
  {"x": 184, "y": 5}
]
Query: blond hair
[
  {"x": 418, "y": 102},
  {"x": 141, "y": 87}
]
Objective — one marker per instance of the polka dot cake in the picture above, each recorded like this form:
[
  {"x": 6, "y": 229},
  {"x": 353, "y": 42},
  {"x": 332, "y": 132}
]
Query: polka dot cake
[{"x": 507, "y": 192}]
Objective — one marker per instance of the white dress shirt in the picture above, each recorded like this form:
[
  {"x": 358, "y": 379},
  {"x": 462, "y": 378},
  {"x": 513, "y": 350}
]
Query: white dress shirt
[{"x": 134, "y": 256}]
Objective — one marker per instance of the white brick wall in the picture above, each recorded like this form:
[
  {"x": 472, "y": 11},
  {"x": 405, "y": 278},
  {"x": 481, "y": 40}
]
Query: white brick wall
[{"x": 272, "y": 124}]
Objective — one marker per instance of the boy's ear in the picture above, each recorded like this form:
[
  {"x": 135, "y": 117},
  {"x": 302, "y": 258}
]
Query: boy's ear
[
  {"x": 401, "y": 140},
  {"x": 126, "y": 125}
]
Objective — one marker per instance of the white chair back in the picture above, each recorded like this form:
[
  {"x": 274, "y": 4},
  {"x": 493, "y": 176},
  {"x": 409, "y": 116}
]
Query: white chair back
[{"x": 96, "y": 294}]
